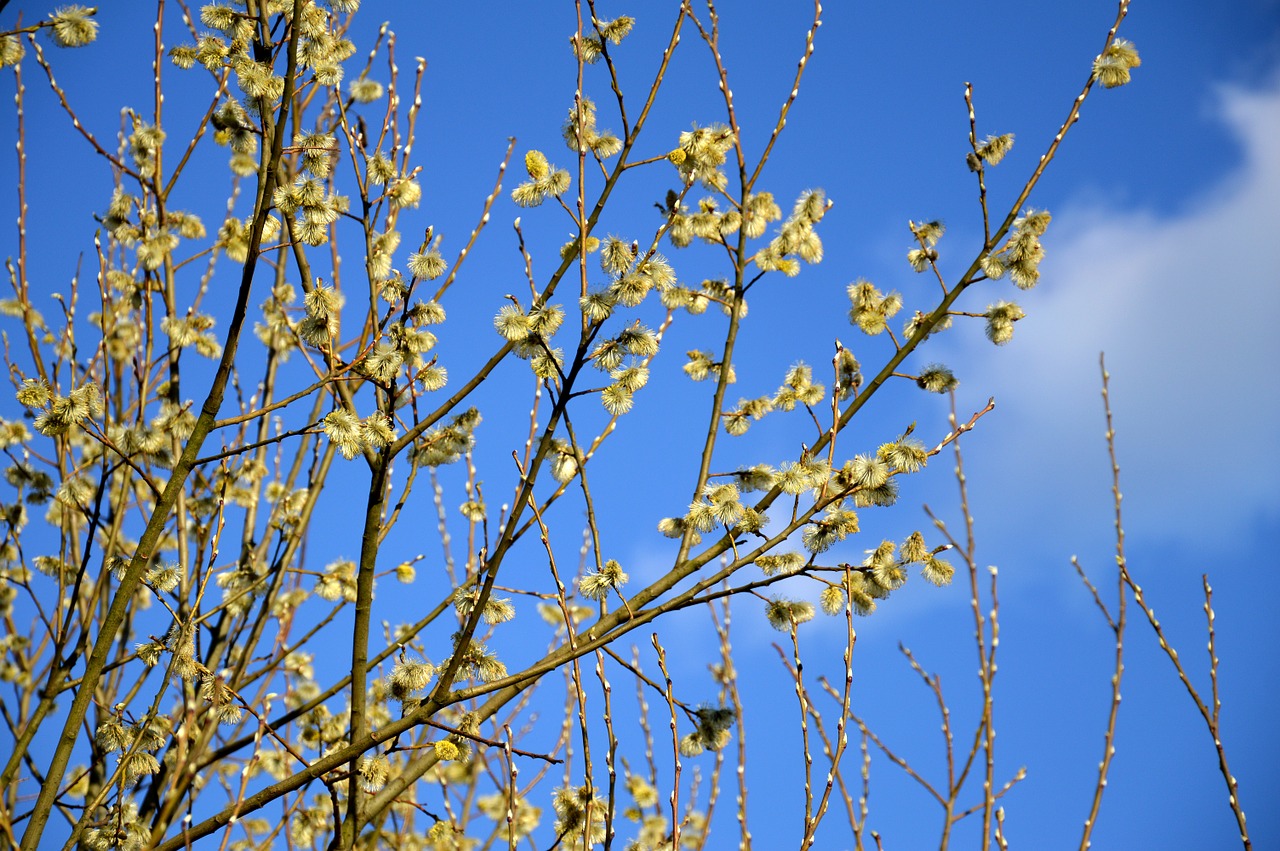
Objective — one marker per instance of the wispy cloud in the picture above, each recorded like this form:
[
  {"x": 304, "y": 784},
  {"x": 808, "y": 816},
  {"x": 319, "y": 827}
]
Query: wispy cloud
[{"x": 1186, "y": 307}]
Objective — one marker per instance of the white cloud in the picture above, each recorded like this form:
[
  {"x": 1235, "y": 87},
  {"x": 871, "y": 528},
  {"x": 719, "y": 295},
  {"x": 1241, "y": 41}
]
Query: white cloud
[{"x": 1185, "y": 306}]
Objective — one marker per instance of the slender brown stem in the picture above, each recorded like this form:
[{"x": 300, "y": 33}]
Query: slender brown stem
[{"x": 1117, "y": 625}]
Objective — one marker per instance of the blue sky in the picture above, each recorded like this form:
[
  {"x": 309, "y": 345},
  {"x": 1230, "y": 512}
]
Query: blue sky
[{"x": 1164, "y": 200}]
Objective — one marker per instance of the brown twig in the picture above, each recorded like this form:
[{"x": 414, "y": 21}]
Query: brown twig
[
  {"x": 1210, "y": 716},
  {"x": 1117, "y": 625}
]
